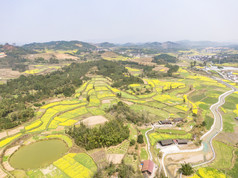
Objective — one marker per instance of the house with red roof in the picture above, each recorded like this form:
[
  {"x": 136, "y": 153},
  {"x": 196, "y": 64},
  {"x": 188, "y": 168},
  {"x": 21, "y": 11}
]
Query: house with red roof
[{"x": 147, "y": 167}]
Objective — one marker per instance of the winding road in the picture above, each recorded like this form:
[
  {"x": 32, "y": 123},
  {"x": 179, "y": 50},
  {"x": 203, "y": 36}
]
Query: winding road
[{"x": 207, "y": 138}]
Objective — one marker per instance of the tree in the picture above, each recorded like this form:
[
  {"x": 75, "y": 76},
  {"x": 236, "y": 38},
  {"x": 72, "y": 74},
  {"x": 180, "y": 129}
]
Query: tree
[
  {"x": 68, "y": 91},
  {"x": 140, "y": 139},
  {"x": 132, "y": 142},
  {"x": 186, "y": 169},
  {"x": 119, "y": 95},
  {"x": 194, "y": 63},
  {"x": 125, "y": 171},
  {"x": 88, "y": 98}
]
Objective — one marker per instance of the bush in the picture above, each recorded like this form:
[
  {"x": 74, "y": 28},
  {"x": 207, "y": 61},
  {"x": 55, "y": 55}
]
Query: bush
[
  {"x": 132, "y": 142},
  {"x": 140, "y": 139},
  {"x": 186, "y": 169}
]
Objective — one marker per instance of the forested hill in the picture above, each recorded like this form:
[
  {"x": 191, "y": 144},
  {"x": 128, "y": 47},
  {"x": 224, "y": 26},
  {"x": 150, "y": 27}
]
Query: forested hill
[
  {"x": 164, "y": 59},
  {"x": 60, "y": 45},
  {"x": 25, "y": 91}
]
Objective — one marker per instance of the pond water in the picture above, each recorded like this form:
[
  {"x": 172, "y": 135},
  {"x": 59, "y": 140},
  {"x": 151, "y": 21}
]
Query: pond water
[{"x": 38, "y": 154}]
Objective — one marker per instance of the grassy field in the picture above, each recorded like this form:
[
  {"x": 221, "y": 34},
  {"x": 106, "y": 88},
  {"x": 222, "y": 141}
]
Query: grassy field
[
  {"x": 223, "y": 158},
  {"x": 234, "y": 171},
  {"x": 119, "y": 149},
  {"x": 143, "y": 154},
  {"x": 131, "y": 160},
  {"x": 133, "y": 132},
  {"x": 231, "y": 112}
]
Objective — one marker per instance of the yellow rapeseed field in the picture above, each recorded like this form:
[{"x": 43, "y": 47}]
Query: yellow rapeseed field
[{"x": 8, "y": 140}]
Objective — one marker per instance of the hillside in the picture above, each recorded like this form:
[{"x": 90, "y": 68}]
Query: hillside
[{"x": 60, "y": 45}]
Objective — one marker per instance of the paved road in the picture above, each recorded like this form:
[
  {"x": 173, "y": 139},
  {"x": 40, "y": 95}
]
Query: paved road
[
  {"x": 212, "y": 133},
  {"x": 148, "y": 142}
]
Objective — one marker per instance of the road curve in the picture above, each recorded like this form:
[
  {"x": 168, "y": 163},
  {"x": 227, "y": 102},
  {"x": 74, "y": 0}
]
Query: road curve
[{"x": 207, "y": 138}]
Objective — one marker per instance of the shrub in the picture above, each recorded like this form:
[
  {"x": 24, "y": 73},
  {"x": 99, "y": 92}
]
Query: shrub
[
  {"x": 186, "y": 169},
  {"x": 132, "y": 142},
  {"x": 140, "y": 139}
]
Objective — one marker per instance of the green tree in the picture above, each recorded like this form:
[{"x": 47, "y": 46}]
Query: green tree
[
  {"x": 140, "y": 139},
  {"x": 132, "y": 142},
  {"x": 186, "y": 169}
]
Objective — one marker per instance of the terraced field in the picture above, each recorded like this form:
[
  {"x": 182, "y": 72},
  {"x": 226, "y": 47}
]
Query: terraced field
[{"x": 158, "y": 99}]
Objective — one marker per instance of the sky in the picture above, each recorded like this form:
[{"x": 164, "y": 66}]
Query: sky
[{"x": 118, "y": 21}]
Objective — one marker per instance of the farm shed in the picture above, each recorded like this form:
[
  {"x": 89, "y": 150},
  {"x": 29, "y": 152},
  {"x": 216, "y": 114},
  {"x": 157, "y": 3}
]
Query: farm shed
[
  {"x": 177, "y": 120},
  {"x": 147, "y": 167},
  {"x": 166, "y": 142},
  {"x": 182, "y": 141},
  {"x": 165, "y": 122}
]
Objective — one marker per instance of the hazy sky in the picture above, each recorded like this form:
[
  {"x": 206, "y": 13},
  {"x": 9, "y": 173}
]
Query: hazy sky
[{"x": 120, "y": 21}]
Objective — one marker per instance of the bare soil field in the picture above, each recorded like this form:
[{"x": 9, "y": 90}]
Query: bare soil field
[
  {"x": 109, "y": 54},
  {"x": 161, "y": 68},
  {"x": 106, "y": 101},
  {"x": 128, "y": 103},
  {"x": 14, "y": 131},
  {"x": 94, "y": 120},
  {"x": 145, "y": 61},
  {"x": 2, "y": 173},
  {"x": 48, "y": 169},
  {"x": 99, "y": 156},
  {"x": 47, "y": 56},
  {"x": 190, "y": 158},
  {"x": 8, "y": 74},
  {"x": 228, "y": 137},
  {"x": 11, "y": 150},
  {"x": 188, "y": 146},
  {"x": 7, "y": 166},
  {"x": 173, "y": 161},
  {"x": 3, "y": 134},
  {"x": 115, "y": 158}
]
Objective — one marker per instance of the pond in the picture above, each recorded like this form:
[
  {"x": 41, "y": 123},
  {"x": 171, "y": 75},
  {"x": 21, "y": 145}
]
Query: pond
[{"x": 38, "y": 154}]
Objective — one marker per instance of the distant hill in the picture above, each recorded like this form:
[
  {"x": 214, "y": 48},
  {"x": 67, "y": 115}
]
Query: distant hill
[
  {"x": 155, "y": 45},
  {"x": 60, "y": 45},
  {"x": 106, "y": 45},
  {"x": 190, "y": 44},
  {"x": 15, "y": 50}
]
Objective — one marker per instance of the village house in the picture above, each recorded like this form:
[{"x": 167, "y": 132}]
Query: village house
[
  {"x": 166, "y": 142},
  {"x": 147, "y": 167},
  {"x": 165, "y": 122},
  {"x": 176, "y": 120},
  {"x": 182, "y": 141}
]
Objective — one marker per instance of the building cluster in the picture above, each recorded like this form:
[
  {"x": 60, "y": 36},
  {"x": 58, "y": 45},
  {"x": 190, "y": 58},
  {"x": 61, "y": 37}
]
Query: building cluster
[
  {"x": 2, "y": 54},
  {"x": 169, "y": 122},
  {"x": 170, "y": 142},
  {"x": 215, "y": 49},
  {"x": 229, "y": 75},
  {"x": 200, "y": 57}
]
